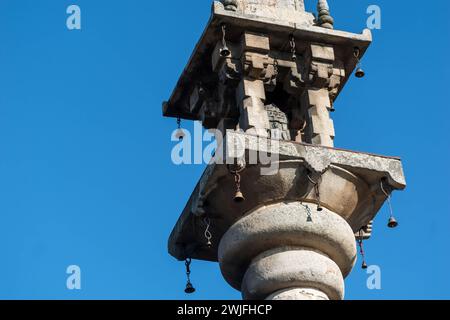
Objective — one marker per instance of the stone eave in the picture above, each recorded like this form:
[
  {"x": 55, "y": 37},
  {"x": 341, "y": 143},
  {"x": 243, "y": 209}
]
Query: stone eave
[
  {"x": 177, "y": 106},
  {"x": 372, "y": 168}
]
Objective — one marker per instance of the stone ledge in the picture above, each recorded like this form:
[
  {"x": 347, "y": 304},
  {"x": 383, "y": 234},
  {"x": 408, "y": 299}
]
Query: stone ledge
[
  {"x": 318, "y": 158},
  {"x": 216, "y": 186}
]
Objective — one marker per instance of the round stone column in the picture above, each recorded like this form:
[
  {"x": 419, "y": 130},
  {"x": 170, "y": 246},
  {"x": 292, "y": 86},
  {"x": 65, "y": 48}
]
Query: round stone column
[{"x": 288, "y": 251}]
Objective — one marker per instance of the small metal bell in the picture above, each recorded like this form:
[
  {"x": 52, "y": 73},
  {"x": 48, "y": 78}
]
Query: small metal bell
[
  {"x": 189, "y": 288},
  {"x": 319, "y": 208},
  {"x": 209, "y": 244},
  {"x": 179, "y": 134},
  {"x": 294, "y": 57},
  {"x": 224, "y": 52},
  {"x": 364, "y": 265},
  {"x": 360, "y": 73},
  {"x": 239, "y": 197},
  {"x": 392, "y": 223}
]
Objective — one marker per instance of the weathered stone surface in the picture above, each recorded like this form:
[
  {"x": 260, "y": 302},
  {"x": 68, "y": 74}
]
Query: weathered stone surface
[
  {"x": 282, "y": 69},
  {"x": 282, "y": 10},
  {"x": 279, "y": 123},
  {"x": 284, "y": 268},
  {"x": 325, "y": 20},
  {"x": 298, "y": 294},
  {"x": 260, "y": 71},
  {"x": 321, "y": 127},
  {"x": 350, "y": 187},
  {"x": 284, "y": 225},
  {"x": 318, "y": 158}
]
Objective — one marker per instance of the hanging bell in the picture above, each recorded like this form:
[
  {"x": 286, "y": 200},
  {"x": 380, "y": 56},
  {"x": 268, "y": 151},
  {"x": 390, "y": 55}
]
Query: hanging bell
[
  {"x": 360, "y": 73},
  {"x": 189, "y": 288},
  {"x": 209, "y": 244},
  {"x": 364, "y": 265},
  {"x": 294, "y": 57},
  {"x": 179, "y": 134},
  {"x": 392, "y": 223},
  {"x": 224, "y": 51},
  {"x": 319, "y": 208},
  {"x": 239, "y": 197}
]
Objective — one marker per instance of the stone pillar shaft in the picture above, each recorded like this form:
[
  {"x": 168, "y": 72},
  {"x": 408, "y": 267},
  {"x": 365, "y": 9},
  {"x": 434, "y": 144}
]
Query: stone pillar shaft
[
  {"x": 288, "y": 250},
  {"x": 321, "y": 126},
  {"x": 251, "y": 94}
]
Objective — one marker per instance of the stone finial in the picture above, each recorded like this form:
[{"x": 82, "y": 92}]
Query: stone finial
[
  {"x": 231, "y": 5},
  {"x": 325, "y": 20}
]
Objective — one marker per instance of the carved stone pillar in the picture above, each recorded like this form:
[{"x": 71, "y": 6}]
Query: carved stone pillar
[
  {"x": 251, "y": 93},
  {"x": 261, "y": 65},
  {"x": 325, "y": 74},
  {"x": 321, "y": 126}
]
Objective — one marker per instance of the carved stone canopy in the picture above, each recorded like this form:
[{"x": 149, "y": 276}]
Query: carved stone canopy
[{"x": 205, "y": 84}]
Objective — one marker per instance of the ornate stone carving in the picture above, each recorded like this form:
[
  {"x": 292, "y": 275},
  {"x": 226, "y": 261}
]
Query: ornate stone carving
[
  {"x": 251, "y": 93},
  {"x": 279, "y": 123}
]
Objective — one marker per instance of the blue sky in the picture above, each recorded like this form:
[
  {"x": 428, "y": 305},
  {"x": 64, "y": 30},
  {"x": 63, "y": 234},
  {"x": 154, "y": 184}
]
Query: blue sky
[{"x": 85, "y": 171}]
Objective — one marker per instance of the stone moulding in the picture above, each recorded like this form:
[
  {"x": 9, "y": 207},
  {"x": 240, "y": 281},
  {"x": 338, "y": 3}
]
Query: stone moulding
[{"x": 318, "y": 158}]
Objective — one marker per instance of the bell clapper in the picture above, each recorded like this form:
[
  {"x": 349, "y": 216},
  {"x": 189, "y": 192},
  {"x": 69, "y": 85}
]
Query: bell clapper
[
  {"x": 392, "y": 223},
  {"x": 189, "y": 287},
  {"x": 224, "y": 51},
  {"x": 208, "y": 235},
  {"x": 359, "y": 71},
  {"x": 361, "y": 250},
  {"x": 316, "y": 185}
]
